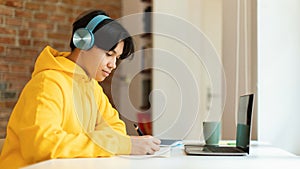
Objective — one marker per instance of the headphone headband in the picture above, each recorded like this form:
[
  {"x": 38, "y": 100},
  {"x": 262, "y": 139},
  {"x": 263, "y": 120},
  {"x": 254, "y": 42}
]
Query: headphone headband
[{"x": 95, "y": 21}]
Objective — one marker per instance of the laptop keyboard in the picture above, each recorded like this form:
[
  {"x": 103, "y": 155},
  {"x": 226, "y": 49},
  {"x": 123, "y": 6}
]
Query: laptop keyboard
[{"x": 222, "y": 149}]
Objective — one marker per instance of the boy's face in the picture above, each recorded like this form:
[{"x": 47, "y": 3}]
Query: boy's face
[{"x": 99, "y": 63}]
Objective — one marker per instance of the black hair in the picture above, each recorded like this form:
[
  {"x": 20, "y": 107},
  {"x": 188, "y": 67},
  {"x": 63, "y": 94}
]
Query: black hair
[{"x": 107, "y": 33}]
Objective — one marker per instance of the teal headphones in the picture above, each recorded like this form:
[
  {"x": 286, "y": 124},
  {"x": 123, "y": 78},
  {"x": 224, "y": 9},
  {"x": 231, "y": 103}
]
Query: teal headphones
[{"x": 83, "y": 38}]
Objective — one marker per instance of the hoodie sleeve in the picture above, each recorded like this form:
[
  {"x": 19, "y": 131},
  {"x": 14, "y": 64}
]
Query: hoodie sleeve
[
  {"x": 37, "y": 122},
  {"x": 108, "y": 122}
]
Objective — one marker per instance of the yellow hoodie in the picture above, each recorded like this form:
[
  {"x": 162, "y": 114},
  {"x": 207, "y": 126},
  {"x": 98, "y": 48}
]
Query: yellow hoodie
[{"x": 61, "y": 113}]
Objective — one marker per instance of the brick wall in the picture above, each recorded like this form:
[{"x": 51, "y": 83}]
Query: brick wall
[{"x": 26, "y": 26}]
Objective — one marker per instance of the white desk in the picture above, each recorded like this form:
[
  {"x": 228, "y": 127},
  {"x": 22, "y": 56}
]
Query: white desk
[{"x": 261, "y": 157}]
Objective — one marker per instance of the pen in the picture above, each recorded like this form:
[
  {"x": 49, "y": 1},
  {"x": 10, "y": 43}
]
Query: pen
[{"x": 138, "y": 130}]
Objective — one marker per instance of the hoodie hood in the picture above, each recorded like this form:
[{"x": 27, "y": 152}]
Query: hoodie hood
[{"x": 51, "y": 59}]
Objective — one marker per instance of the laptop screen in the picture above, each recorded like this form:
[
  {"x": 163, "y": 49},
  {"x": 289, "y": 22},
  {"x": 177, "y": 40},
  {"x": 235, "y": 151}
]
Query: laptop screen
[{"x": 244, "y": 122}]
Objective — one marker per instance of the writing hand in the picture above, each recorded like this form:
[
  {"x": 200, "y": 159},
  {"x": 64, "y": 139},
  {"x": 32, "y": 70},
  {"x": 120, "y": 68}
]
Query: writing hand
[{"x": 141, "y": 145}]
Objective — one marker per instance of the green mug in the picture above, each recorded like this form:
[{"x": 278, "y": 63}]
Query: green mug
[{"x": 212, "y": 132}]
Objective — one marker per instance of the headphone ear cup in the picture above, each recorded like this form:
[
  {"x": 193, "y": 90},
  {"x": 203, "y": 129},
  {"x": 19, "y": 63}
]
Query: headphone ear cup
[{"x": 83, "y": 39}]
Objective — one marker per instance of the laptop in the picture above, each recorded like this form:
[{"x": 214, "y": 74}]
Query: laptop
[{"x": 243, "y": 134}]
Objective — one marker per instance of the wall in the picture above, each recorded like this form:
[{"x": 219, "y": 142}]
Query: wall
[
  {"x": 236, "y": 45},
  {"x": 279, "y": 67},
  {"x": 239, "y": 60},
  {"x": 180, "y": 80},
  {"x": 26, "y": 26}
]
